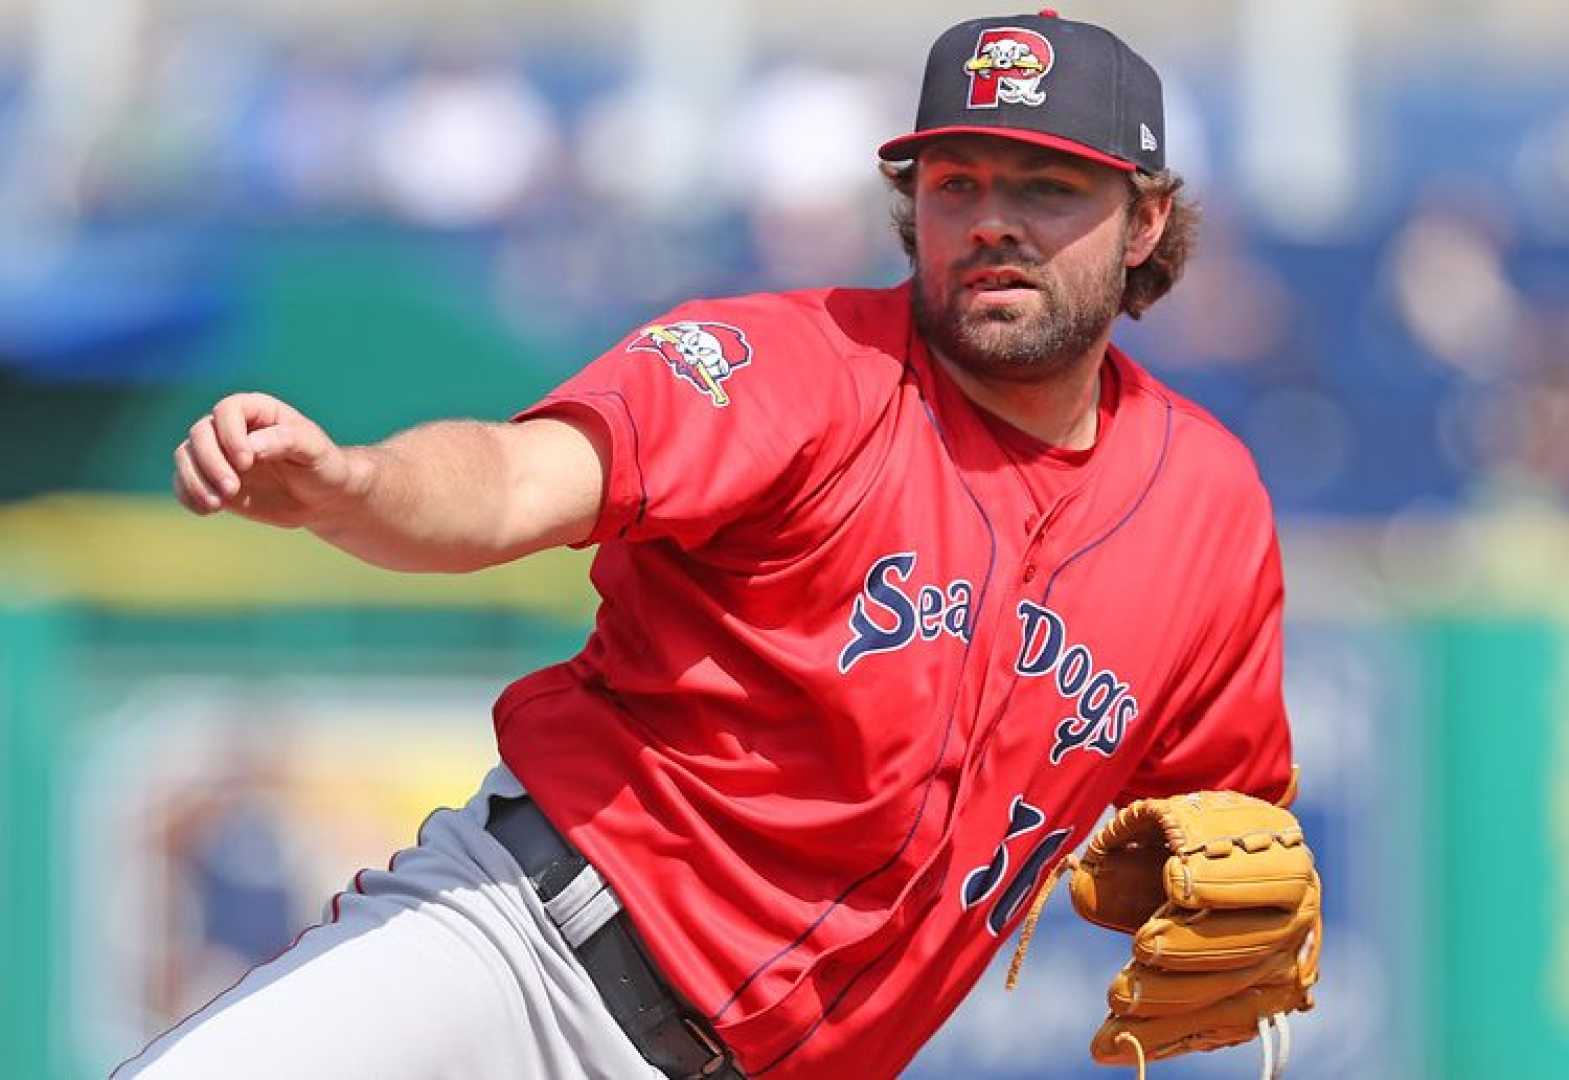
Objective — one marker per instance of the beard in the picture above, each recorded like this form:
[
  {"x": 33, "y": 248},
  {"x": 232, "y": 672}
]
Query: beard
[{"x": 1020, "y": 342}]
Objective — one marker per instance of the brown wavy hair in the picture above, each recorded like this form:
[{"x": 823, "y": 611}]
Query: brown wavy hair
[{"x": 1146, "y": 282}]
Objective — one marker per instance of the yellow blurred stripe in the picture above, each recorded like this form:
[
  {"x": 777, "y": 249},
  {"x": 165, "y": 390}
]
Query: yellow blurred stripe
[
  {"x": 140, "y": 553},
  {"x": 132, "y": 552},
  {"x": 1508, "y": 563}
]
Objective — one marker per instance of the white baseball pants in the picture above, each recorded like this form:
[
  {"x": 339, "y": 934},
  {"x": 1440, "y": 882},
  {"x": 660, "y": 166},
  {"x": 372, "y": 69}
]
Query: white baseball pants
[{"x": 444, "y": 966}]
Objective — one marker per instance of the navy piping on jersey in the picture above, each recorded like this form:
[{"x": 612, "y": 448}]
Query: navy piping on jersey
[
  {"x": 1160, "y": 463},
  {"x": 833, "y": 1004},
  {"x": 931, "y": 778},
  {"x": 979, "y": 605}
]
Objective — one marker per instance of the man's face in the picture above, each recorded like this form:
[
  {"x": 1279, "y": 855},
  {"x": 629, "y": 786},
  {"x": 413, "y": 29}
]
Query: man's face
[{"x": 1021, "y": 254}]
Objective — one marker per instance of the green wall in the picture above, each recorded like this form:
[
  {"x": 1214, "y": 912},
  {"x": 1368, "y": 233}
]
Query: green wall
[{"x": 1497, "y": 857}]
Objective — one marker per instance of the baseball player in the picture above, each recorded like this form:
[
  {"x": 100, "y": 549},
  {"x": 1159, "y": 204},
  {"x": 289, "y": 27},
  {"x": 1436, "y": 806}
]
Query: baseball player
[{"x": 901, "y": 589}]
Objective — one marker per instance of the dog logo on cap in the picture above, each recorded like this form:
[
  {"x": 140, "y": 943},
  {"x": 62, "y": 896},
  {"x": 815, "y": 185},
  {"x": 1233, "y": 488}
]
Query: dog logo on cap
[{"x": 1008, "y": 66}]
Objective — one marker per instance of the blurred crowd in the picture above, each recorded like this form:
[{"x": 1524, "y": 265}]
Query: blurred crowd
[{"x": 1389, "y": 332}]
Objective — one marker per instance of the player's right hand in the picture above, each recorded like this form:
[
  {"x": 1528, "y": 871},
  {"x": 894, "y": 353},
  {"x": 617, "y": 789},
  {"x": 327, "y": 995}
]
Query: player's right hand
[{"x": 263, "y": 459}]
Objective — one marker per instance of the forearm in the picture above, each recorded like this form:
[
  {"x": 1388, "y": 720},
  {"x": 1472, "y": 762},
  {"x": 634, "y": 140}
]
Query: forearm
[{"x": 438, "y": 498}]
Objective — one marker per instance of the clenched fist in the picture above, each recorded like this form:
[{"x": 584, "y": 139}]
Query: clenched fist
[{"x": 262, "y": 459}]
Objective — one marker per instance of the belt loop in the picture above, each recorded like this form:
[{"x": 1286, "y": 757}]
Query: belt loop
[
  {"x": 666, "y": 1030},
  {"x": 721, "y": 1057}
]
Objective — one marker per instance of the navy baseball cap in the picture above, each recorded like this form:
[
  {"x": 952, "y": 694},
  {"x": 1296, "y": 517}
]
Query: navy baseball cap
[{"x": 1044, "y": 80}]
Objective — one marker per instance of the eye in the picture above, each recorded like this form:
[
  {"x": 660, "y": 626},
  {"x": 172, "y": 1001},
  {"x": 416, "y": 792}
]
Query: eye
[
  {"x": 956, "y": 183},
  {"x": 1045, "y": 186}
]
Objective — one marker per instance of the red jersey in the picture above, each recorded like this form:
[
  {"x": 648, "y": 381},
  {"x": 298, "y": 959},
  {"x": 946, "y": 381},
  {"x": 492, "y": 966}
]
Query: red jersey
[{"x": 853, "y": 690}]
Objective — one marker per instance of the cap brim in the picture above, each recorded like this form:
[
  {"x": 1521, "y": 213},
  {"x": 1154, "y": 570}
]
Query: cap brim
[{"x": 906, "y": 147}]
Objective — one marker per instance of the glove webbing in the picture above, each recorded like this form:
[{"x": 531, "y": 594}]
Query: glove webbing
[
  {"x": 1274, "y": 1065},
  {"x": 1028, "y": 929}
]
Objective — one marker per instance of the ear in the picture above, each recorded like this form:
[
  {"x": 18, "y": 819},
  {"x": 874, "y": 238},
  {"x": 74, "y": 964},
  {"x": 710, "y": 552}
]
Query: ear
[{"x": 1146, "y": 225}]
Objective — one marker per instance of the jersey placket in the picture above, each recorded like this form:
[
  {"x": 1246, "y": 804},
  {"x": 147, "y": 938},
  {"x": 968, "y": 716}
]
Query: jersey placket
[
  {"x": 1000, "y": 494},
  {"x": 1050, "y": 538}
]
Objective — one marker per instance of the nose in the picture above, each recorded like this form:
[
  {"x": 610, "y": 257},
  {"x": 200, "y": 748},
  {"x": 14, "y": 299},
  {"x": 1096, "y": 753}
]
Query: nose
[{"x": 996, "y": 223}]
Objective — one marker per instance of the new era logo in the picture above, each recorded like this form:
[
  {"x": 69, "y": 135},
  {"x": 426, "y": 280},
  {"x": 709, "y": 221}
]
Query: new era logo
[{"x": 1147, "y": 140}]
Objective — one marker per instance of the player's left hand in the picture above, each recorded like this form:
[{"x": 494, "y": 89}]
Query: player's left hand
[{"x": 1219, "y": 892}]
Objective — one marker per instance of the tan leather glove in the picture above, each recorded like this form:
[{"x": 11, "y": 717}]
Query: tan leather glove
[{"x": 1220, "y": 895}]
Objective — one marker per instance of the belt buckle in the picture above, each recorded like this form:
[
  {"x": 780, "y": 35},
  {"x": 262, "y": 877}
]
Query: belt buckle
[{"x": 720, "y": 1058}]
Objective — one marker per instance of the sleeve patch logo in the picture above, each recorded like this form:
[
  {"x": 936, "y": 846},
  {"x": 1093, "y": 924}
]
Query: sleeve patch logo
[{"x": 703, "y": 353}]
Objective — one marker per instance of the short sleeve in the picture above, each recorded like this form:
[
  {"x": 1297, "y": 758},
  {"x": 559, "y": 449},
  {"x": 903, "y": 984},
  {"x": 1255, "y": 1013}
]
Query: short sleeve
[
  {"x": 715, "y": 412},
  {"x": 1232, "y": 733}
]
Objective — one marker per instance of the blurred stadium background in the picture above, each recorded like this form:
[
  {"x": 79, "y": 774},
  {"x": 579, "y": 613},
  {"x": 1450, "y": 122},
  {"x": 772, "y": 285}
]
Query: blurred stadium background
[{"x": 390, "y": 210}]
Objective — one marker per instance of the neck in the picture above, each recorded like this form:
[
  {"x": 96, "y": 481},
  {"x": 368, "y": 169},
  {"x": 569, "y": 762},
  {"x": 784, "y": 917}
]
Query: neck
[{"x": 1061, "y": 409}]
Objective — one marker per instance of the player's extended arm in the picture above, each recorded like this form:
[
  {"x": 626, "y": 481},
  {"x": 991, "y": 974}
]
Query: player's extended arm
[{"x": 450, "y": 496}]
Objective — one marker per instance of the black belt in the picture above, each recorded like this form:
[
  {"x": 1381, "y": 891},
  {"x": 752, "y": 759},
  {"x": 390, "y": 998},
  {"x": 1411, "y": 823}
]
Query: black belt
[{"x": 668, "y": 1032}]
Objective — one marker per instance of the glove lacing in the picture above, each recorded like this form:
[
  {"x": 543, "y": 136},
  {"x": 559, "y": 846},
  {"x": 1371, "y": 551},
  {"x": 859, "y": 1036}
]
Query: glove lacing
[
  {"x": 1027, "y": 930},
  {"x": 1138, "y": 1048},
  {"x": 1274, "y": 1065}
]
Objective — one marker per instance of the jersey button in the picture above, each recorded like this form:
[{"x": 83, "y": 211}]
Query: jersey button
[{"x": 1029, "y": 573}]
